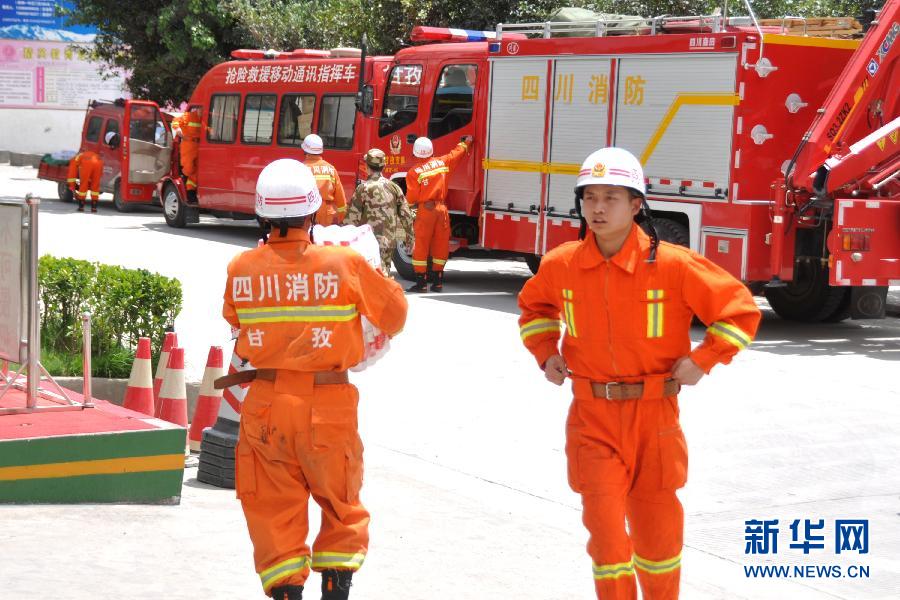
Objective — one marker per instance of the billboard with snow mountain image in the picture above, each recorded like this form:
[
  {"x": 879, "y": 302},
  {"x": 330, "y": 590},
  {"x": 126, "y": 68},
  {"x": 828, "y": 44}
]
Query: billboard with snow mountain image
[{"x": 44, "y": 34}]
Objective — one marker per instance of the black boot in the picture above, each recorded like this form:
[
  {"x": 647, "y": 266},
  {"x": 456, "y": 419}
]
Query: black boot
[
  {"x": 81, "y": 207},
  {"x": 93, "y": 207},
  {"x": 336, "y": 584},
  {"x": 420, "y": 286},
  {"x": 437, "y": 282},
  {"x": 287, "y": 592}
]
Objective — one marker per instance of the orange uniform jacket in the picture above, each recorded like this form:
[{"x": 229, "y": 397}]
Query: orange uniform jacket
[
  {"x": 298, "y": 305},
  {"x": 428, "y": 181},
  {"x": 334, "y": 201},
  {"x": 626, "y": 318}
]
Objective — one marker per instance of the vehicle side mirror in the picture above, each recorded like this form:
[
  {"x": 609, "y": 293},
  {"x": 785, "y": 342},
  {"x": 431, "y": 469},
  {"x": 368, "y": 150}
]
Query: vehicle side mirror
[{"x": 365, "y": 100}]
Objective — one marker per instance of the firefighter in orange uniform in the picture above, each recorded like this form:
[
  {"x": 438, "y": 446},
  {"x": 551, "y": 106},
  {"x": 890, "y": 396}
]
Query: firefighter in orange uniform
[
  {"x": 298, "y": 308},
  {"x": 86, "y": 168},
  {"x": 190, "y": 125},
  {"x": 334, "y": 201},
  {"x": 426, "y": 188},
  {"x": 627, "y": 303}
]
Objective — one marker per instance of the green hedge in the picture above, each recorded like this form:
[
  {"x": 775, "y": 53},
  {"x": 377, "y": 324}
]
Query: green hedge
[{"x": 125, "y": 304}]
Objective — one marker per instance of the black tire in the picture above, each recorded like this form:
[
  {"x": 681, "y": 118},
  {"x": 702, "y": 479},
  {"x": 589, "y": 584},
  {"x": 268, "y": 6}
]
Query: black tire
[
  {"x": 672, "y": 232},
  {"x": 403, "y": 261},
  {"x": 842, "y": 312},
  {"x": 174, "y": 209},
  {"x": 64, "y": 193},
  {"x": 118, "y": 202},
  {"x": 533, "y": 261},
  {"x": 809, "y": 298}
]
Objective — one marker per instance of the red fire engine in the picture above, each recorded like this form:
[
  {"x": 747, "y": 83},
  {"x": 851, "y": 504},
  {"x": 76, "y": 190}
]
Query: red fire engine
[
  {"x": 134, "y": 160},
  {"x": 715, "y": 108}
]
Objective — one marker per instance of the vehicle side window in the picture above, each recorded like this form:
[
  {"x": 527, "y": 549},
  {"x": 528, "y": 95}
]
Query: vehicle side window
[
  {"x": 401, "y": 100},
  {"x": 223, "y": 118},
  {"x": 259, "y": 119},
  {"x": 296, "y": 118},
  {"x": 453, "y": 100},
  {"x": 112, "y": 126},
  {"x": 93, "y": 129},
  {"x": 145, "y": 125},
  {"x": 336, "y": 120}
]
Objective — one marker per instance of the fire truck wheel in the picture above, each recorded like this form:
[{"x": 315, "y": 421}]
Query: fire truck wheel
[
  {"x": 64, "y": 193},
  {"x": 173, "y": 207},
  {"x": 808, "y": 298},
  {"x": 403, "y": 262},
  {"x": 120, "y": 204},
  {"x": 672, "y": 232},
  {"x": 533, "y": 261}
]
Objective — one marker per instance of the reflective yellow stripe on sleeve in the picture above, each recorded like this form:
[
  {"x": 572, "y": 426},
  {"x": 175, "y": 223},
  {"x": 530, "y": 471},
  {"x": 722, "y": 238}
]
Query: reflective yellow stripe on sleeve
[
  {"x": 730, "y": 333},
  {"x": 538, "y": 326}
]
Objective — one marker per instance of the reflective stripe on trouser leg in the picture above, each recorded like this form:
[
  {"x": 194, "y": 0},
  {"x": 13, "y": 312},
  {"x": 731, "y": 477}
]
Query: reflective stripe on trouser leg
[
  {"x": 272, "y": 488},
  {"x": 423, "y": 229},
  {"x": 334, "y": 471},
  {"x": 656, "y": 524},
  {"x": 440, "y": 240}
]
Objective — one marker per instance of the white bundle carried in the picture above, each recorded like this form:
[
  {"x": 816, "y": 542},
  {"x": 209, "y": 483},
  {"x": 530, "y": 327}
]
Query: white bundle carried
[
  {"x": 362, "y": 239},
  {"x": 63, "y": 155}
]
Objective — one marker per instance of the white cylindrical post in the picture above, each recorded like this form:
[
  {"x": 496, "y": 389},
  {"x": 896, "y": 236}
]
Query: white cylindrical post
[
  {"x": 34, "y": 317},
  {"x": 87, "y": 400}
]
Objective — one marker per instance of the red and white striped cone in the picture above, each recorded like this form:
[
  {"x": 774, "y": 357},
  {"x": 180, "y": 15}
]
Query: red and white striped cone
[
  {"x": 139, "y": 393},
  {"x": 208, "y": 400},
  {"x": 173, "y": 393},
  {"x": 170, "y": 341},
  {"x": 219, "y": 441}
]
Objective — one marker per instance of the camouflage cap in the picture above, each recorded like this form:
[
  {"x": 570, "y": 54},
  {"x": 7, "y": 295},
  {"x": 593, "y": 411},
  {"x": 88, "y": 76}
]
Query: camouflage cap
[{"x": 375, "y": 158}]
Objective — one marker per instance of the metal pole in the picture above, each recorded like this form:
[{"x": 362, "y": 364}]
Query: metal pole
[
  {"x": 34, "y": 317},
  {"x": 87, "y": 400}
]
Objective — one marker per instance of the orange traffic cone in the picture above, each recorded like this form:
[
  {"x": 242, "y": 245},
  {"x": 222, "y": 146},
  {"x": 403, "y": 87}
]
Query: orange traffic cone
[
  {"x": 208, "y": 400},
  {"x": 169, "y": 342},
  {"x": 139, "y": 393},
  {"x": 173, "y": 394}
]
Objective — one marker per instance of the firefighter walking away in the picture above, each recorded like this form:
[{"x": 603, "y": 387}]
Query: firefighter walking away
[
  {"x": 627, "y": 302},
  {"x": 298, "y": 309}
]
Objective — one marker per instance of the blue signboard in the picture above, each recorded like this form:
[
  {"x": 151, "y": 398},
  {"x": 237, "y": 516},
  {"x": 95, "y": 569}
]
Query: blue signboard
[{"x": 37, "y": 20}]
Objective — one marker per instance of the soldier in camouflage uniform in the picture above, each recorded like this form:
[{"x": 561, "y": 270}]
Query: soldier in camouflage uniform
[{"x": 381, "y": 203}]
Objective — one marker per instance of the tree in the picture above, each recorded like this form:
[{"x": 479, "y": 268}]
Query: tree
[{"x": 165, "y": 45}]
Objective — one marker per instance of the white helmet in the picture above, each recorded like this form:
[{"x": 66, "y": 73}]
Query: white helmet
[
  {"x": 312, "y": 144},
  {"x": 423, "y": 148},
  {"x": 286, "y": 188},
  {"x": 612, "y": 166},
  {"x": 109, "y": 137}
]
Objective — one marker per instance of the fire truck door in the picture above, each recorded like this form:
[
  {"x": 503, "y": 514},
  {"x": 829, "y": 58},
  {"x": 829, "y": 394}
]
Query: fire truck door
[
  {"x": 400, "y": 123},
  {"x": 111, "y": 154},
  {"x": 146, "y": 150},
  {"x": 515, "y": 154},
  {"x": 451, "y": 116},
  {"x": 676, "y": 113},
  {"x": 580, "y": 125}
]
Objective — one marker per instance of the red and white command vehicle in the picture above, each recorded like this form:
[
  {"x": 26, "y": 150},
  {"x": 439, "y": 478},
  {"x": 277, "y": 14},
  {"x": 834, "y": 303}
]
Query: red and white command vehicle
[
  {"x": 135, "y": 158},
  {"x": 716, "y": 109}
]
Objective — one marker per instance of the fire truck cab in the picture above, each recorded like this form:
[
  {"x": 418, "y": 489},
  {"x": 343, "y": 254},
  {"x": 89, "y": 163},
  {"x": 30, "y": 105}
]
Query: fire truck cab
[{"x": 134, "y": 159}]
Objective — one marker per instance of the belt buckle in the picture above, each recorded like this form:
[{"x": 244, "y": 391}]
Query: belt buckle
[{"x": 607, "y": 386}]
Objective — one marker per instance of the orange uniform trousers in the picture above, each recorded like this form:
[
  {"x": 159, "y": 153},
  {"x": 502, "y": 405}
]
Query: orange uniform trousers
[
  {"x": 432, "y": 230},
  {"x": 626, "y": 458},
  {"x": 86, "y": 168},
  {"x": 191, "y": 127},
  {"x": 290, "y": 447}
]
